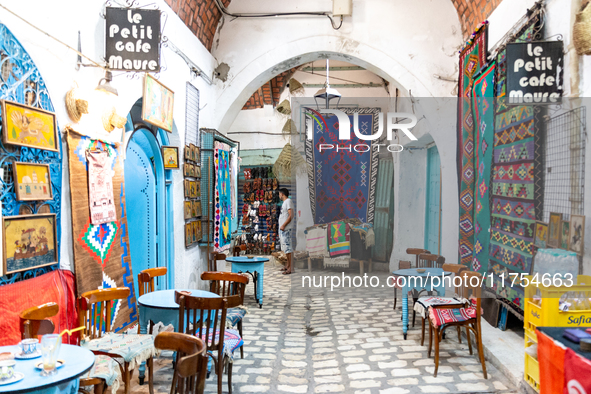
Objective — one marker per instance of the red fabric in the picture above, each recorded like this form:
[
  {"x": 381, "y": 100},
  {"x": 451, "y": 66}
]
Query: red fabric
[
  {"x": 551, "y": 360},
  {"x": 577, "y": 373},
  {"x": 55, "y": 286}
]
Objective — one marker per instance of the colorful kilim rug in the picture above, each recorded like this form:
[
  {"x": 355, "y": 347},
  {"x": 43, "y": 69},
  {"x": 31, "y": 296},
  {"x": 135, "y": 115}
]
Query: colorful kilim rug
[
  {"x": 101, "y": 252},
  {"x": 483, "y": 108},
  {"x": 223, "y": 198},
  {"x": 339, "y": 241},
  {"x": 472, "y": 59},
  {"x": 342, "y": 184},
  {"x": 513, "y": 187}
]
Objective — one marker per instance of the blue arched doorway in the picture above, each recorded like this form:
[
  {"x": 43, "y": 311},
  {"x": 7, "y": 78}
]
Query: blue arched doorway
[{"x": 148, "y": 199}]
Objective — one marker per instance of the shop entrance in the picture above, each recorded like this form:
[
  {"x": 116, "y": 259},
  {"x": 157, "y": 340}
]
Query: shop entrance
[
  {"x": 146, "y": 202},
  {"x": 433, "y": 208}
]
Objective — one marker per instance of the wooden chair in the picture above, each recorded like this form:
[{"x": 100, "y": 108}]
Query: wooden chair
[
  {"x": 145, "y": 279},
  {"x": 427, "y": 260},
  {"x": 229, "y": 284},
  {"x": 206, "y": 319},
  {"x": 457, "y": 269},
  {"x": 190, "y": 369},
  {"x": 35, "y": 321},
  {"x": 416, "y": 252},
  {"x": 94, "y": 312},
  {"x": 213, "y": 260},
  {"x": 471, "y": 288},
  {"x": 401, "y": 266},
  {"x": 145, "y": 283}
]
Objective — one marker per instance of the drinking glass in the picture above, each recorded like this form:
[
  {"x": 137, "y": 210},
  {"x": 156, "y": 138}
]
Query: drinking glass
[{"x": 50, "y": 347}]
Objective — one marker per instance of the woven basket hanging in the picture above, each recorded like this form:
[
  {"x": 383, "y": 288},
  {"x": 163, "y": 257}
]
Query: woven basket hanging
[
  {"x": 284, "y": 107},
  {"x": 287, "y": 158},
  {"x": 289, "y": 127},
  {"x": 295, "y": 87},
  {"x": 582, "y": 31},
  {"x": 75, "y": 106}
]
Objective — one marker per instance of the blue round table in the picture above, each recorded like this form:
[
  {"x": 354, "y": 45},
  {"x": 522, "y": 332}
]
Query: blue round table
[
  {"x": 255, "y": 267},
  {"x": 78, "y": 361},
  {"x": 418, "y": 281},
  {"x": 159, "y": 306}
]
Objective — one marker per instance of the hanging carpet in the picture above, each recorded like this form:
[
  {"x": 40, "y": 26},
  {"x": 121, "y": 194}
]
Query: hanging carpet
[
  {"x": 223, "y": 198},
  {"x": 342, "y": 184},
  {"x": 101, "y": 252}
]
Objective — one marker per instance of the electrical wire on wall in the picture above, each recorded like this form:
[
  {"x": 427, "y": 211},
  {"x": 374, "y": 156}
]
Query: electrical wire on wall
[{"x": 224, "y": 11}]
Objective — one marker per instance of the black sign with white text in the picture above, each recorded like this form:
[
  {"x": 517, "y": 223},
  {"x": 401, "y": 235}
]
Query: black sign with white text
[
  {"x": 133, "y": 39},
  {"x": 535, "y": 72}
]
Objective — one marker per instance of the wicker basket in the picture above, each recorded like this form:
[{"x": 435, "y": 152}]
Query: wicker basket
[
  {"x": 75, "y": 106},
  {"x": 582, "y": 31}
]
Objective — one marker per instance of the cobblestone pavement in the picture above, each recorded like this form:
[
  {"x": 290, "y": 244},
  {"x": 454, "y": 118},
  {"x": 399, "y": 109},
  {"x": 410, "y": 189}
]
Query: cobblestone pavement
[{"x": 315, "y": 341}]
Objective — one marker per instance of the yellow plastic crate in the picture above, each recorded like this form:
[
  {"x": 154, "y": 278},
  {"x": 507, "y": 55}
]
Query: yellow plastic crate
[
  {"x": 547, "y": 314},
  {"x": 532, "y": 372}
]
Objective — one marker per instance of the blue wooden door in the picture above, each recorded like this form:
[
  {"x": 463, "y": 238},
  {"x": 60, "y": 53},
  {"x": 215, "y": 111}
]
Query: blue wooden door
[
  {"x": 140, "y": 200},
  {"x": 433, "y": 203}
]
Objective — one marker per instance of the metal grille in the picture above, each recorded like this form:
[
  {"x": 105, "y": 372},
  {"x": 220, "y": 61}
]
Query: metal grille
[
  {"x": 565, "y": 164},
  {"x": 192, "y": 116}
]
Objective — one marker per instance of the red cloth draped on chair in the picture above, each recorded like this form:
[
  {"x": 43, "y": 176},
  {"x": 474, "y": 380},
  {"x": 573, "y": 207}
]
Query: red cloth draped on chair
[{"x": 56, "y": 286}]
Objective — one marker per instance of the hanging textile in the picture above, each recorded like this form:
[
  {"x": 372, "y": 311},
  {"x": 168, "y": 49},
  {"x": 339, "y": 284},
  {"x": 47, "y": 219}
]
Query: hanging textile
[
  {"x": 472, "y": 59},
  {"x": 100, "y": 192},
  {"x": 234, "y": 183},
  {"x": 339, "y": 241},
  {"x": 342, "y": 184},
  {"x": 101, "y": 252},
  {"x": 483, "y": 107},
  {"x": 223, "y": 199},
  {"x": 513, "y": 209}
]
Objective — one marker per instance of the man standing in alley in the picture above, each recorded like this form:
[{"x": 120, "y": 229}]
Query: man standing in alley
[{"x": 285, "y": 228}]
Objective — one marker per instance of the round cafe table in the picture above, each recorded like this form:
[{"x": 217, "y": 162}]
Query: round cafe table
[
  {"x": 418, "y": 281},
  {"x": 159, "y": 306},
  {"x": 255, "y": 267},
  {"x": 78, "y": 361}
]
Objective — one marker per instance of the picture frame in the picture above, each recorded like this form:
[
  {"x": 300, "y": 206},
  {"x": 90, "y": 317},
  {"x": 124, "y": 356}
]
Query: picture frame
[
  {"x": 193, "y": 148},
  {"x": 564, "y": 235},
  {"x": 170, "y": 157},
  {"x": 541, "y": 234},
  {"x": 188, "y": 234},
  {"x": 577, "y": 234},
  {"x": 187, "y": 188},
  {"x": 187, "y": 152},
  {"x": 157, "y": 104},
  {"x": 39, "y": 131},
  {"x": 197, "y": 171},
  {"x": 194, "y": 232},
  {"x": 192, "y": 170},
  {"x": 186, "y": 170},
  {"x": 32, "y": 181},
  {"x": 197, "y": 188},
  {"x": 29, "y": 241},
  {"x": 197, "y": 209},
  {"x": 197, "y": 154},
  {"x": 188, "y": 210},
  {"x": 197, "y": 230},
  {"x": 554, "y": 229}
]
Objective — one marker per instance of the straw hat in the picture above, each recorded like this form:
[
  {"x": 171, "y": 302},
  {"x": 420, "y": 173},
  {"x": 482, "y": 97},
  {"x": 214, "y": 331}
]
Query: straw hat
[
  {"x": 111, "y": 120},
  {"x": 582, "y": 31},
  {"x": 75, "y": 106}
]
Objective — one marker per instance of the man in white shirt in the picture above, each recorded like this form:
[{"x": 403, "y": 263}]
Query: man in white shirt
[{"x": 286, "y": 227}]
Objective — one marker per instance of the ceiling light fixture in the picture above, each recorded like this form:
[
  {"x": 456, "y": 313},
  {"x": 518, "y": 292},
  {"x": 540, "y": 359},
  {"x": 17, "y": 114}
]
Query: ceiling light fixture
[
  {"x": 327, "y": 93},
  {"x": 104, "y": 84}
]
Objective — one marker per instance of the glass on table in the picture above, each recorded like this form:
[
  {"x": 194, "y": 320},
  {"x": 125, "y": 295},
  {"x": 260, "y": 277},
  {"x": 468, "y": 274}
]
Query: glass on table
[{"x": 50, "y": 347}]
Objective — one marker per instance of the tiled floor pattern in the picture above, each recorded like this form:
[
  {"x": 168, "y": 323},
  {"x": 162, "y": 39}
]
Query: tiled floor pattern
[{"x": 315, "y": 341}]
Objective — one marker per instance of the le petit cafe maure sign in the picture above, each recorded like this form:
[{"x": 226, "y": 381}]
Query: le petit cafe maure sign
[
  {"x": 132, "y": 39},
  {"x": 535, "y": 72}
]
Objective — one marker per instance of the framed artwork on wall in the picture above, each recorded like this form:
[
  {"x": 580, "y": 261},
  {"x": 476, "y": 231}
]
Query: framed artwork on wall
[
  {"x": 30, "y": 241},
  {"x": 564, "y": 235},
  {"x": 577, "y": 234},
  {"x": 32, "y": 127},
  {"x": 554, "y": 229},
  {"x": 188, "y": 234},
  {"x": 197, "y": 171},
  {"x": 197, "y": 209},
  {"x": 170, "y": 156},
  {"x": 193, "y": 149},
  {"x": 186, "y": 169},
  {"x": 157, "y": 104},
  {"x": 32, "y": 181},
  {"x": 541, "y": 235},
  {"x": 197, "y": 230},
  {"x": 197, "y": 188},
  {"x": 187, "y": 152},
  {"x": 187, "y": 188},
  {"x": 188, "y": 212}
]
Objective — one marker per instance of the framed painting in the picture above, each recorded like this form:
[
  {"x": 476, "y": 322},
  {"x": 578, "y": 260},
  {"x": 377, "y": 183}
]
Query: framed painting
[
  {"x": 158, "y": 104},
  {"x": 32, "y": 181},
  {"x": 170, "y": 155},
  {"x": 197, "y": 171},
  {"x": 197, "y": 188},
  {"x": 577, "y": 234},
  {"x": 194, "y": 232},
  {"x": 30, "y": 241},
  {"x": 192, "y": 170},
  {"x": 541, "y": 235},
  {"x": 187, "y": 188},
  {"x": 197, "y": 209},
  {"x": 188, "y": 234},
  {"x": 29, "y": 126},
  {"x": 193, "y": 148},
  {"x": 188, "y": 212},
  {"x": 564, "y": 235},
  {"x": 197, "y": 154},
  {"x": 197, "y": 230},
  {"x": 187, "y": 152},
  {"x": 554, "y": 229}
]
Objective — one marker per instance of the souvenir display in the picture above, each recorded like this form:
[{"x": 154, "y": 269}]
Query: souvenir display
[
  {"x": 32, "y": 181},
  {"x": 260, "y": 211},
  {"x": 170, "y": 155},
  {"x": 192, "y": 208},
  {"x": 29, "y": 126}
]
